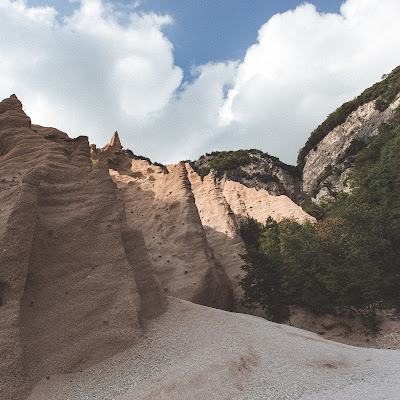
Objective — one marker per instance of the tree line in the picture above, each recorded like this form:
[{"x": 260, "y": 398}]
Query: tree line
[{"x": 349, "y": 259}]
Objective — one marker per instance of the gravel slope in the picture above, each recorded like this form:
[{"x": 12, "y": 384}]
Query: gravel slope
[{"x": 196, "y": 352}]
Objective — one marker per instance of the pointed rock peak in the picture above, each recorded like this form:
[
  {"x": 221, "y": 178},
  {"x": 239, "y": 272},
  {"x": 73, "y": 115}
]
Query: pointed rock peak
[
  {"x": 115, "y": 140},
  {"x": 114, "y": 145}
]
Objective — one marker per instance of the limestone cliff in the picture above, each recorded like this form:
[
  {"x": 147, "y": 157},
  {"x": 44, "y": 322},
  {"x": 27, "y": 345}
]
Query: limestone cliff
[
  {"x": 328, "y": 165},
  {"x": 327, "y": 157}
]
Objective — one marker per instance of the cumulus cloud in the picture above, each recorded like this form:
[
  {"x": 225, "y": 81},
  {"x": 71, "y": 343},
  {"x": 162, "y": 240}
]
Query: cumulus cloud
[
  {"x": 305, "y": 64},
  {"x": 105, "y": 68},
  {"x": 188, "y": 125},
  {"x": 89, "y": 73}
]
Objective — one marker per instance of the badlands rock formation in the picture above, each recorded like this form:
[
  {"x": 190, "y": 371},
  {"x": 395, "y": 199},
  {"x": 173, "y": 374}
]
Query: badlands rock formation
[
  {"x": 190, "y": 226},
  {"x": 259, "y": 204},
  {"x": 71, "y": 294},
  {"x": 163, "y": 207},
  {"x": 101, "y": 261}
]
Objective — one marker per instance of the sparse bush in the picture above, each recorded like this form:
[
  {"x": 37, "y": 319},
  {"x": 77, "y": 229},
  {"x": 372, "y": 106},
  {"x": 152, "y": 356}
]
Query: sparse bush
[{"x": 223, "y": 161}]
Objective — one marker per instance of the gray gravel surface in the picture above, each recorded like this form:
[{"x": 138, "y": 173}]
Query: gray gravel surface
[{"x": 195, "y": 352}]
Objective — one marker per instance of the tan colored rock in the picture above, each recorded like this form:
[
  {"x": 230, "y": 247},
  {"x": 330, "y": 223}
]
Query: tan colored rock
[
  {"x": 113, "y": 152},
  {"x": 221, "y": 227},
  {"x": 259, "y": 204},
  {"x": 191, "y": 230},
  {"x": 163, "y": 207},
  {"x": 262, "y": 172},
  {"x": 220, "y": 209},
  {"x": 68, "y": 288}
]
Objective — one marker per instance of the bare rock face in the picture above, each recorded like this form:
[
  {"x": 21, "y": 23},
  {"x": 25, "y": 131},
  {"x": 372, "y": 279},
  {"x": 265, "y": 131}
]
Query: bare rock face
[
  {"x": 71, "y": 289},
  {"x": 163, "y": 207},
  {"x": 262, "y": 172},
  {"x": 326, "y": 168},
  {"x": 221, "y": 228},
  {"x": 259, "y": 204},
  {"x": 116, "y": 157},
  {"x": 223, "y": 207},
  {"x": 190, "y": 225}
]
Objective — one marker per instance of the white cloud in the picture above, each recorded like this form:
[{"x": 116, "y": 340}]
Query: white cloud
[
  {"x": 305, "y": 64},
  {"x": 91, "y": 72},
  {"x": 101, "y": 70},
  {"x": 187, "y": 126}
]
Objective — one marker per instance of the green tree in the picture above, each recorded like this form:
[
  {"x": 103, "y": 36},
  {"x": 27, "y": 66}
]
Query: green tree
[{"x": 263, "y": 281}]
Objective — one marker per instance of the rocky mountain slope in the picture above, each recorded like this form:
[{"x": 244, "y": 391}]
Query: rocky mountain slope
[
  {"x": 327, "y": 158},
  {"x": 327, "y": 166},
  {"x": 325, "y": 162},
  {"x": 92, "y": 242},
  {"x": 253, "y": 169},
  {"x": 103, "y": 258}
]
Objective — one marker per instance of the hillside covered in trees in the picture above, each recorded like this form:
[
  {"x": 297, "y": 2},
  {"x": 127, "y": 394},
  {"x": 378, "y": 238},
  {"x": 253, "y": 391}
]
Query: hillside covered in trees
[{"x": 349, "y": 259}]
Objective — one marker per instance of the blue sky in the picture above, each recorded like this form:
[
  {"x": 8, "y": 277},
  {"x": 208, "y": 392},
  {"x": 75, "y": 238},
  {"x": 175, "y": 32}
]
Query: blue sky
[
  {"x": 207, "y": 30},
  {"x": 181, "y": 78},
  {"x": 218, "y": 30}
]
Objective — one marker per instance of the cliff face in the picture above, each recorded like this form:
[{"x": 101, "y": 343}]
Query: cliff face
[
  {"x": 163, "y": 207},
  {"x": 93, "y": 241},
  {"x": 190, "y": 225},
  {"x": 70, "y": 291},
  {"x": 220, "y": 226},
  {"x": 259, "y": 171},
  {"x": 328, "y": 165}
]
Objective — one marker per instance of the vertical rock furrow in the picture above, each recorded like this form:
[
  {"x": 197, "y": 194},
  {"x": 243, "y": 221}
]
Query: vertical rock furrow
[
  {"x": 221, "y": 227},
  {"x": 163, "y": 207},
  {"x": 68, "y": 296}
]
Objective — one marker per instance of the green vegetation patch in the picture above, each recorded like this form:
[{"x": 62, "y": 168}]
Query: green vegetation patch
[
  {"x": 228, "y": 160},
  {"x": 292, "y": 169},
  {"x": 267, "y": 178},
  {"x": 349, "y": 259},
  {"x": 223, "y": 161}
]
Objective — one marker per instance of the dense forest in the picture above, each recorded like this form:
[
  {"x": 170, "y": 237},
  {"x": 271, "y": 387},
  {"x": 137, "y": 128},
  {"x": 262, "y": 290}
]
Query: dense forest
[{"x": 349, "y": 259}]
